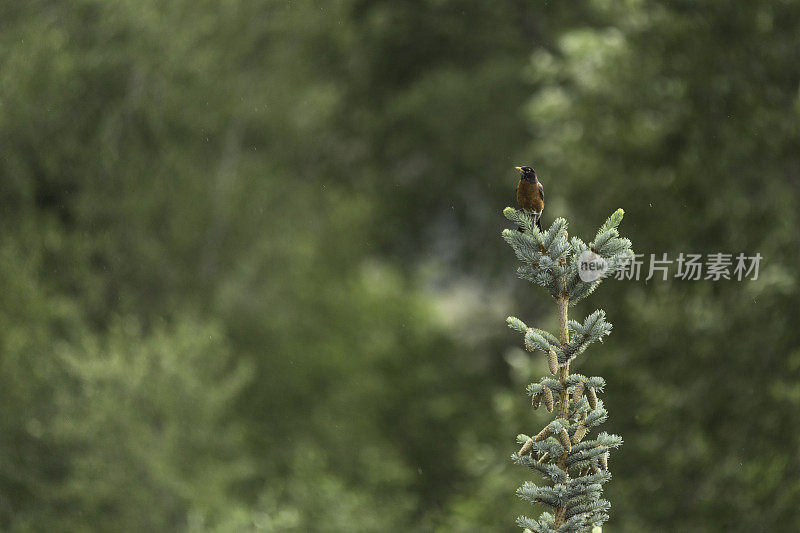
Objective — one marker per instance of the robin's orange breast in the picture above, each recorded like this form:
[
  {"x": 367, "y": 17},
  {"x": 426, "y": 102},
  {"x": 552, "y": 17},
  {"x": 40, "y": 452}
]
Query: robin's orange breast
[{"x": 528, "y": 196}]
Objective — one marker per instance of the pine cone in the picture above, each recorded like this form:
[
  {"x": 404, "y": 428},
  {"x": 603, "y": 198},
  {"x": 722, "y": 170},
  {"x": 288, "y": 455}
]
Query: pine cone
[
  {"x": 552, "y": 362},
  {"x": 592, "y": 397},
  {"x": 577, "y": 392},
  {"x": 526, "y": 448},
  {"x": 536, "y": 399},
  {"x": 579, "y": 434},
  {"x": 563, "y": 436},
  {"x": 548, "y": 399},
  {"x": 543, "y": 434}
]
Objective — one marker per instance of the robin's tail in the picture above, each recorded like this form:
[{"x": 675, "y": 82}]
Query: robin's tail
[{"x": 539, "y": 222}]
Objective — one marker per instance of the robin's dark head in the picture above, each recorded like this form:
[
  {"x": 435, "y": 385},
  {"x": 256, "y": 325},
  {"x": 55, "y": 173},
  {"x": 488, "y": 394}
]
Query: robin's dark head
[{"x": 528, "y": 173}]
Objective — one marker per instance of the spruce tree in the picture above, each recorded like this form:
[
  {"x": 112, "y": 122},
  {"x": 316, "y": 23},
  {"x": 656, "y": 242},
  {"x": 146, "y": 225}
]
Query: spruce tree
[{"x": 576, "y": 465}]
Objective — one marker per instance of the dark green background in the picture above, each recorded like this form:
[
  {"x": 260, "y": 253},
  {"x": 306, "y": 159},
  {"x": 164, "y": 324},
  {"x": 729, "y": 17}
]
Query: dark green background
[{"x": 251, "y": 275}]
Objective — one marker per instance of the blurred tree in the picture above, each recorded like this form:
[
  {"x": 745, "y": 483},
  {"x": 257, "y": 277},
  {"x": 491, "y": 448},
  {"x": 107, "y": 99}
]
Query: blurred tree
[
  {"x": 30, "y": 321},
  {"x": 146, "y": 427},
  {"x": 182, "y": 159},
  {"x": 686, "y": 114},
  {"x": 122, "y": 432},
  {"x": 435, "y": 95},
  {"x": 281, "y": 170}
]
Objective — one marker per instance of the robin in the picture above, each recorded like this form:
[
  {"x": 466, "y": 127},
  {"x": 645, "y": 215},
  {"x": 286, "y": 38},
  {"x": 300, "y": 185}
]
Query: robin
[{"x": 530, "y": 194}]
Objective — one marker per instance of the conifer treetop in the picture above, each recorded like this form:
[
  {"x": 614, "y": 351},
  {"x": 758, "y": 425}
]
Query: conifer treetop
[{"x": 575, "y": 465}]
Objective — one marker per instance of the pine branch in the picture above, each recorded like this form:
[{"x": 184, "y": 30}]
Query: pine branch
[{"x": 576, "y": 466}]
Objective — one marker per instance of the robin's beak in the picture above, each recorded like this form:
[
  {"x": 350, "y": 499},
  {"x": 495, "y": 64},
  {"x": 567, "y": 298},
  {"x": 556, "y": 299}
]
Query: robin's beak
[{"x": 519, "y": 169}]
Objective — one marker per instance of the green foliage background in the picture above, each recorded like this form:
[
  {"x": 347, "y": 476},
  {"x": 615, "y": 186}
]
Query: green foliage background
[{"x": 251, "y": 276}]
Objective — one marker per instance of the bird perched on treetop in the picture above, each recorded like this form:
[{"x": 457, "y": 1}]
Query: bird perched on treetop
[{"x": 530, "y": 195}]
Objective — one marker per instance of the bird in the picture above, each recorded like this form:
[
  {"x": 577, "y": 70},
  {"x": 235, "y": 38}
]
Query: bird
[{"x": 530, "y": 194}]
